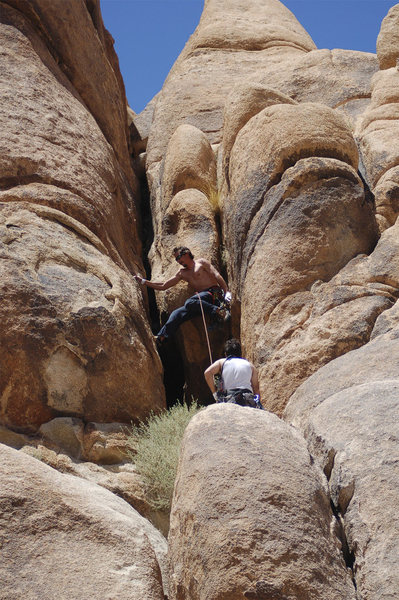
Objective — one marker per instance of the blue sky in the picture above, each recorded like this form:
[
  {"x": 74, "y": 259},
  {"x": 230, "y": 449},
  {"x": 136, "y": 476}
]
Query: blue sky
[{"x": 150, "y": 34}]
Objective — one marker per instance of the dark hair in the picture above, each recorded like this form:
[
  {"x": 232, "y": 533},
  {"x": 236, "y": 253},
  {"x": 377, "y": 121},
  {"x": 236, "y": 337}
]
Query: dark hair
[
  {"x": 180, "y": 251},
  {"x": 232, "y": 348}
]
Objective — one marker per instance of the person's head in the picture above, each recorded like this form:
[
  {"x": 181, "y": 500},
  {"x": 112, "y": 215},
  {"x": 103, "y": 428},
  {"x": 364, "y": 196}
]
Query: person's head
[
  {"x": 183, "y": 255},
  {"x": 232, "y": 348}
]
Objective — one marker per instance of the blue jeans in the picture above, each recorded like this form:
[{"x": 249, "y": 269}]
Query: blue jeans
[{"x": 190, "y": 310}]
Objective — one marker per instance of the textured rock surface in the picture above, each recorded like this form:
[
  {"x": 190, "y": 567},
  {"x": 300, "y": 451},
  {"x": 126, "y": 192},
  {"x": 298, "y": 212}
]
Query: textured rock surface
[
  {"x": 378, "y": 133},
  {"x": 348, "y": 412},
  {"x": 122, "y": 479},
  {"x": 244, "y": 102},
  {"x": 67, "y": 537},
  {"x": 297, "y": 214},
  {"x": 253, "y": 110},
  {"x": 250, "y": 515},
  {"x": 74, "y": 339},
  {"x": 106, "y": 443},
  {"x": 188, "y": 221},
  {"x": 189, "y": 163},
  {"x": 243, "y": 58},
  {"x": 388, "y": 39},
  {"x": 102, "y": 443},
  {"x": 234, "y": 40}
]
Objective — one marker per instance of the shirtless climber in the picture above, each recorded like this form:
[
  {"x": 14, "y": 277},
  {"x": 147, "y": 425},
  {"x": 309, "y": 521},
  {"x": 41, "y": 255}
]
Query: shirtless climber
[
  {"x": 237, "y": 376},
  {"x": 205, "y": 280}
]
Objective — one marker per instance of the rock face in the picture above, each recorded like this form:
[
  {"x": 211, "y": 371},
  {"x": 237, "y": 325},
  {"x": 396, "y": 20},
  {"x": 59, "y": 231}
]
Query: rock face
[
  {"x": 247, "y": 76},
  {"x": 388, "y": 39},
  {"x": 251, "y": 517},
  {"x": 279, "y": 163},
  {"x": 297, "y": 214},
  {"x": 348, "y": 412},
  {"x": 75, "y": 340},
  {"x": 377, "y": 132},
  {"x": 307, "y": 167},
  {"x": 64, "y": 536}
]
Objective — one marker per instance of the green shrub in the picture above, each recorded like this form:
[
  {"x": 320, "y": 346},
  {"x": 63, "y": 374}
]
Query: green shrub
[{"x": 157, "y": 446}]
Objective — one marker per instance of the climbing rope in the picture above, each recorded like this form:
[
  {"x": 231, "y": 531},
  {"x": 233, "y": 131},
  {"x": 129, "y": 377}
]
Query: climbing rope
[{"x": 206, "y": 330}]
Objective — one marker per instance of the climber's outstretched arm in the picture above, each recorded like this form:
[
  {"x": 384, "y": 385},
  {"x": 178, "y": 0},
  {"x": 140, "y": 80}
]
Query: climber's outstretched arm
[{"x": 159, "y": 285}]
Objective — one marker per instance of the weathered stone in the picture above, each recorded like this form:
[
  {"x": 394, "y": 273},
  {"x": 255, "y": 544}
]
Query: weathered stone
[
  {"x": 285, "y": 134},
  {"x": 105, "y": 443},
  {"x": 143, "y": 120},
  {"x": 130, "y": 115},
  {"x": 66, "y": 433},
  {"x": 378, "y": 133},
  {"x": 73, "y": 320},
  {"x": 83, "y": 50},
  {"x": 250, "y": 515},
  {"x": 189, "y": 163},
  {"x": 372, "y": 363},
  {"x": 348, "y": 412},
  {"x": 338, "y": 78},
  {"x": 233, "y": 41},
  {"x": 91, "y": 543},
  {"x": 244, "y": 102},
  {"x": 121, "y": 479},
  {"x": 12, "y": 439},
  {"x": 292, "y": 221},
  {"x": 74, "y": 340},
  {"x": 310, "y": 328},
  {"x": 388, "y": 39}
]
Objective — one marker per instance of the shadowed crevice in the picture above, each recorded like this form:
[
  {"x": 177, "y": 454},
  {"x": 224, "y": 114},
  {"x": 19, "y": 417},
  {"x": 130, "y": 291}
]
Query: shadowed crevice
[
  {"x": 347, "y": 553},
  {"x": 173, "y": 377}
]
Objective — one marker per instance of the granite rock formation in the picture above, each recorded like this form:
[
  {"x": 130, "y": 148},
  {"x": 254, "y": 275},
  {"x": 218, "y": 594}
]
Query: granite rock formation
[
  {"x": 75, "y": 339},
  {"x": 348, "y": 412},
  {"x": 241, "y": 84},
  {"x": 307, "y": 171},
  {"x": 279, "y": 163},
  {"x": 63, "y": 536},
  {"x": 388, "y": 39},
  {"x": 253, "y": 521}
]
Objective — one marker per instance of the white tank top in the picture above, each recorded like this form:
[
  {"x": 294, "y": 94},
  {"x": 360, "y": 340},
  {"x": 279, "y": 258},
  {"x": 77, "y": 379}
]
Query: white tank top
[{"x": 237, "y": 373}]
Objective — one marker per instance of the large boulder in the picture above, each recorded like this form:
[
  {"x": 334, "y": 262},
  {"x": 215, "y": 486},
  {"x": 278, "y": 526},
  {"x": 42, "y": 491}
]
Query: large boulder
[
  {"x": 243, "y": 58},
  {"x": 250, "y": 516},
  {"x": 348, "y": 412},
  {"x": 296, "y": 214},
  {"x": 233, "y": 41},
  {"x": 189, "y": 164},
  {"x": 388, "y": 39},
  {"x": 312, "y": 327},
  {"x": 378, "y": 132},
  {"x": 65, "y": 537},
  {"x": 75, "y": 339}
]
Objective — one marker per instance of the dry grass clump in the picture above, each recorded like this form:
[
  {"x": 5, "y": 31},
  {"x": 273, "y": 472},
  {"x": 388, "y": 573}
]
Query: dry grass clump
[
  {"x": 157, "y": 445},
  {"x": 213, "y": 196}
]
